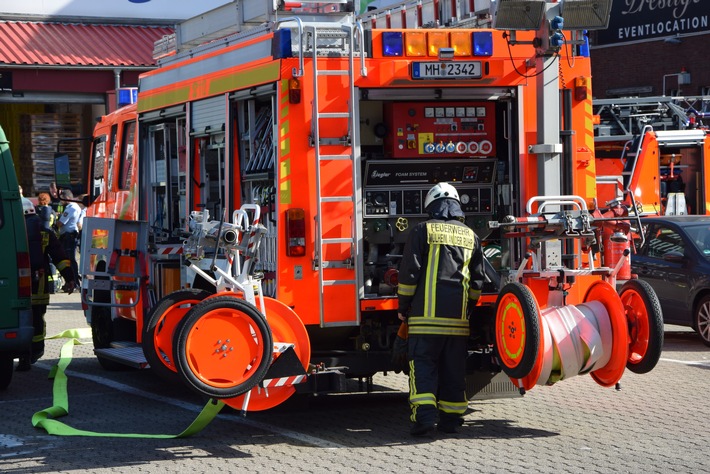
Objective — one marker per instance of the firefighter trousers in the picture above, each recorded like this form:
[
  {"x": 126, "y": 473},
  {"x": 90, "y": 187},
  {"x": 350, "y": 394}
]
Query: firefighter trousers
[{"x": 437, "y": 372}]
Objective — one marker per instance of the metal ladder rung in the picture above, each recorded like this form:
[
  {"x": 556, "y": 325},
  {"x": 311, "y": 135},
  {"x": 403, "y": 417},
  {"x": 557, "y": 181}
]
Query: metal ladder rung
[
  {"x": 337, "y": 198},
  {"x": 340, "y": 240},
  {"x": 336, "y": 157},
  {"x": 331, "y": 115},
  {"x": 335, "y": 72}
]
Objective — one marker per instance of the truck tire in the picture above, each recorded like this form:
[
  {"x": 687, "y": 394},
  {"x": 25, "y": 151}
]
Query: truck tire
[{"x": 223, "y": 347}]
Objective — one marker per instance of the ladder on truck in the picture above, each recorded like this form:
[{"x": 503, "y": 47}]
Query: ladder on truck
[
  {"x": 337, "y": 151},
  {"x": 624, "y": 118},
  {"x": 427, "y": 14}
]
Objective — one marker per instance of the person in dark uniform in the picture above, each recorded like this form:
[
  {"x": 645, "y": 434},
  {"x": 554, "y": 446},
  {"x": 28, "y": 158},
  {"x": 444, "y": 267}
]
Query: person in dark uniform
[
  {"x": 440, "y": 280},
  {"x": 43, "y": 245}
]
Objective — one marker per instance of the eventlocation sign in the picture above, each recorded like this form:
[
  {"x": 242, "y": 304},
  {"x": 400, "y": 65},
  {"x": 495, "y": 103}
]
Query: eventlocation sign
[{"x": 640, "y": 20}]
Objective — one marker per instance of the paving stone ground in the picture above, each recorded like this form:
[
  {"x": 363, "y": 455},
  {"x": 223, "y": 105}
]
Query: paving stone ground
[{"x": 657, "y": 422}]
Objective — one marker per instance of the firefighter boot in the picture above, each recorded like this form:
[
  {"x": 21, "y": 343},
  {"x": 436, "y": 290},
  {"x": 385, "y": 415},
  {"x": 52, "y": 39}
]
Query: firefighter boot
[
  {"x": 421, "y": 429},
  {"x": 449, "y": 424}
]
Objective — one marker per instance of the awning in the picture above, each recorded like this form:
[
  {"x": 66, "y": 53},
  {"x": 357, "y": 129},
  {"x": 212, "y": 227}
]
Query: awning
[{"x": 61, "y": 44}]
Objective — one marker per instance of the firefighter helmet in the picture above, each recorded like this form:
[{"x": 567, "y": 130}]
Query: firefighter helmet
[
  {"x": 441, "y": 190},
  {"x": 27, "y": 207}
]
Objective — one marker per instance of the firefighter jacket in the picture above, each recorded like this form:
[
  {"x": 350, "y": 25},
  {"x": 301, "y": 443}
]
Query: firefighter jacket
[
  {"x": 441, "y": 273},
  {"x": 43, "y": 245}
]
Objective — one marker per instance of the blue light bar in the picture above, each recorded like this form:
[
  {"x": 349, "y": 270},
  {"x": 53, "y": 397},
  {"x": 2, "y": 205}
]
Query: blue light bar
[
  {"x": 392, "y": 43},
  {"x": 127, "y": 95},
  {"x": 482, "y": 43},
  {"x": 281, "y": 44},
  {"x": 584, "y": 47}
]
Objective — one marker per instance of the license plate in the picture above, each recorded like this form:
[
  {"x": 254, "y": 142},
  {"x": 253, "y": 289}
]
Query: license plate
[{"x": 446, "y": 70}]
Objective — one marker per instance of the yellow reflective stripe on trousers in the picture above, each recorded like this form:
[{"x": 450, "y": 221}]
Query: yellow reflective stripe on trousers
[
  {"x": 457, "y": 408},
  {"x": 45, "y": 418},
  {"x": 417, "y": 399}
]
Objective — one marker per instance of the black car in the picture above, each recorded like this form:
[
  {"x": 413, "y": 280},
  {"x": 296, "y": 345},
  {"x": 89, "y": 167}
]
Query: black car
[{"x": 675, "y": 261}]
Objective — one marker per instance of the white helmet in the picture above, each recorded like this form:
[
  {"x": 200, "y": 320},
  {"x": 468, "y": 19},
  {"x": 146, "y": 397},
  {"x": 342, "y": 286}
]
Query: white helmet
[
  {"x": 27, "y": 207},
  {"x": 441, "y": 190}
]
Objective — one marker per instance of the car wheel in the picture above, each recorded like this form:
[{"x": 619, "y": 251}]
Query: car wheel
[{"x": 702, "y": 319}]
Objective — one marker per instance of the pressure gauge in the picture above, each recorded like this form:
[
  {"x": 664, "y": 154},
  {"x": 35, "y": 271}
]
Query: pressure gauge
[
  {"x": 464, "y": 198},
  {"x": 429, "y": 112}
]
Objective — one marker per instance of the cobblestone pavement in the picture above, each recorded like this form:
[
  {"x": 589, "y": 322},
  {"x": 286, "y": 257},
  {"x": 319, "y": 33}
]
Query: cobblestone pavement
[{"x": 656, "y": 423}]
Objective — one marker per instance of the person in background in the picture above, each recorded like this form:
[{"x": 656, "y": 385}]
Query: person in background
[
  {"x": 440, "y": 280},
  {"x": 48, "y": 217},
  {"x": 44, "y": 210},
  {"x": 68, "y": 224},
  {"x": 43, "y": 245},
  {"x": 57, "y": 205}
]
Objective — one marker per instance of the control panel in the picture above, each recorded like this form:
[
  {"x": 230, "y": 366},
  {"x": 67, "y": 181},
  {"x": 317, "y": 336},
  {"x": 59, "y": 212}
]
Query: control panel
[
  {"x": 440, "y": 129},
  {"x": 398, "y": 188}
]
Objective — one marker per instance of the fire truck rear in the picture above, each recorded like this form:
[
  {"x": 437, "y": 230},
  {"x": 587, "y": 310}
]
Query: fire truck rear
[{"x": 249, "y": 211}]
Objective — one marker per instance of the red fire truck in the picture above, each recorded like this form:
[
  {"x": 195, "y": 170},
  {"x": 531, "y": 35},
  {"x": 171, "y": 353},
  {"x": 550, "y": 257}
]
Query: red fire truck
[
  {"x": 656, "y": 148},
  {"x": 248, "y": 213}
]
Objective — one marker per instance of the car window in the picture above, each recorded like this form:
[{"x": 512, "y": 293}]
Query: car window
[
  {"x": 700, "y": 236},
  {"x": 664, "y": 240}
]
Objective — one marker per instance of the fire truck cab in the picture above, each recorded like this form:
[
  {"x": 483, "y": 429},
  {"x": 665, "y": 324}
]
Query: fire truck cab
[{"x": 299, "y": 141}]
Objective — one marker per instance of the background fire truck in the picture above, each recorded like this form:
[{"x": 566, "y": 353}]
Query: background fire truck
[
  {"x": 656, "y": 148},
  {"x": 280, "y": 154}
]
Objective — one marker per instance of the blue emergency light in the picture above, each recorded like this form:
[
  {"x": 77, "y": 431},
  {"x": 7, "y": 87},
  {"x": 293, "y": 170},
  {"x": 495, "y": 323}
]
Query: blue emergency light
[
  {"x": 127, "y": 95},
  {"x": 392, "y": 43},
  {"x": 482, "y": 43}
]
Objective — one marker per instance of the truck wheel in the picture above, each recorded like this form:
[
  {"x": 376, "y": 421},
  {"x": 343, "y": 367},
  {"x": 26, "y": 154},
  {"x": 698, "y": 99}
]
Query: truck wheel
[
  {"x": 645, "y": 319},
  {"x": 702, "y": 319},
  {"x": 102, "y": 333},
  {"x": 517, "y": 330},
  {"x": 7, "y": 367},
  {"x": 223, "y": 347},
  {"x": 159, "y": 330}
]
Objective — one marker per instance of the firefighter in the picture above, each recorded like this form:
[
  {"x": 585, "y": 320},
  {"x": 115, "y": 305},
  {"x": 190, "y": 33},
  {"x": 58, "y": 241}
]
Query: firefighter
[
  {"x": 440, "y": 279},
  {"x": 43, "y": 245}
]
